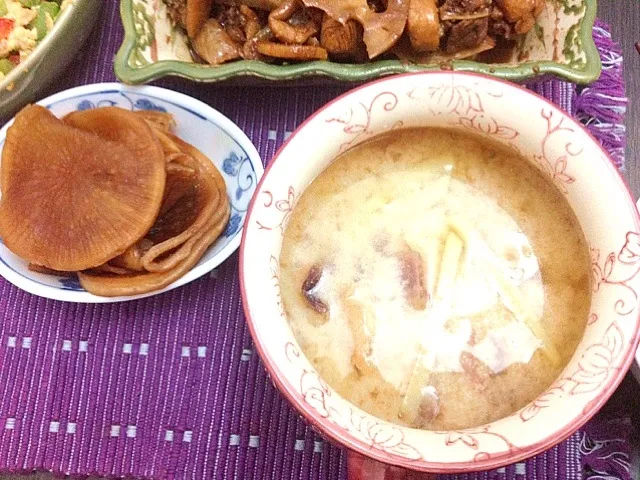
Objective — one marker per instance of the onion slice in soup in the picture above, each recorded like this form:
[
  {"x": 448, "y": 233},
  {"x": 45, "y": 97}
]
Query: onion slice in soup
[{"x": 509, "y": 293}]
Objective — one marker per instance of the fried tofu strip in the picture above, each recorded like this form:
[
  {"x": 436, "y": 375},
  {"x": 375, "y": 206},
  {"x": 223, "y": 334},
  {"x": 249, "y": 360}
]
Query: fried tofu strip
[
  {"x": 361, "y": 322},
  {"x": 412, "y": 272},
  {"x": 421, "y": 375}
]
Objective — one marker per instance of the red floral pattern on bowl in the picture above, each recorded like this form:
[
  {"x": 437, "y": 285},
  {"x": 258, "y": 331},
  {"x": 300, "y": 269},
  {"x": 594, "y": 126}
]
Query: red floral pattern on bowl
[{"x": 559, "y": 147}]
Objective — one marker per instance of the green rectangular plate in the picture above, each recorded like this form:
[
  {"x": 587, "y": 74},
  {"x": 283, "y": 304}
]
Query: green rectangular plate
[{"x": 561, "y": 44}]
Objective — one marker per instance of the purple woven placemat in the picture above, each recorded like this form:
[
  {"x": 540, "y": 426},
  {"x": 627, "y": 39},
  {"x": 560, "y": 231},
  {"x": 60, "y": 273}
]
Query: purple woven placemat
[{"x": 170, "y": 386}]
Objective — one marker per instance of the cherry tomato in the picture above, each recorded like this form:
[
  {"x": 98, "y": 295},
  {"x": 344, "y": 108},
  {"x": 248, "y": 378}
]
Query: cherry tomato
[{"x": 6, "y": 25}]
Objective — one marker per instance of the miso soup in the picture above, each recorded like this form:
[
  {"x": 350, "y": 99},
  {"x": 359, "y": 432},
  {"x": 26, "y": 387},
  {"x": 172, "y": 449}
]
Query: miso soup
[{"x": 435, "y": 278}]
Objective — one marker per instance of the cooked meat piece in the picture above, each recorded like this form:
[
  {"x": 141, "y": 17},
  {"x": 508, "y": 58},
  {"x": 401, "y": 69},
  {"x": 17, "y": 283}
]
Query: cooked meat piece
[
  {"x": 252, "y": 23},
  {"x": 465, "y": 9},
  {"x": 423, "y": 25},
  {"x": 413, "y": 278},
  {"x": 377, "y": 6},
  {"x": 478, "y": 372},
  {"x": 381, "y": 30},
  {"x": 189, "y": 14},
  {"x": 290, "y": 29},
  {"x": 498, "y": 26},
  {"x": 342, "y": 40},
  {"x": 406, "y": 54},
  {"x": 214, "y": 45},
  {"x": 515, "y": 10},
  {"x": 502, "y": 52},
  {"x": 233, "y": 21},
  {"x": 250, "y": 47},
  {"x": 501, "y": 29},
  {"x": 309, "y": 289},
  {"x": 429, "y": 408},
  {"x": 466, "y": 34}
]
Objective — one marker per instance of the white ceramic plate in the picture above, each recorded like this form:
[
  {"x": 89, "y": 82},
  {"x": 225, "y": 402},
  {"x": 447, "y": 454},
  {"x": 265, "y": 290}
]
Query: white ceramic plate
[{"x": 208, "y": 130}]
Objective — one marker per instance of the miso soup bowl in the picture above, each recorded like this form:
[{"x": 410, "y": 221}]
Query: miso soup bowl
[{"x": 544, "y": 135}]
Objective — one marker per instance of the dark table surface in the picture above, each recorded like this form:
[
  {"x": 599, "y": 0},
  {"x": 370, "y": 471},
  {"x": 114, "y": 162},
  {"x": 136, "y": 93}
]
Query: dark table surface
[{"x": 624, "y": 18}]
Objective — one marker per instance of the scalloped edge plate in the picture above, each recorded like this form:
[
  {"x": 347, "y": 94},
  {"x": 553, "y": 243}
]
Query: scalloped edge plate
[{"x": 346, "y": 72}]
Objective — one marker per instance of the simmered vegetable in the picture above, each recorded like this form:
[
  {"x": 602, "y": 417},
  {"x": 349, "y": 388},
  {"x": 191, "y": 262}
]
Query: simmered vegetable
[{"x": 421, "y": 31}]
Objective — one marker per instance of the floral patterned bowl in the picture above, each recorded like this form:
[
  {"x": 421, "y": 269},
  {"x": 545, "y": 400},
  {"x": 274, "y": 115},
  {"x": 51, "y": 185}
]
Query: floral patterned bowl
[
  {"x": 560, "y": 44},
  {"x": 635, "y": 366},
  {"x": 197, "y": 123},
  {"x": 565, "y": 152}
]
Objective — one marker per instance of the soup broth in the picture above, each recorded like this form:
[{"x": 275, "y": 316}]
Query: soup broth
[{"x": 435, "y": 279}]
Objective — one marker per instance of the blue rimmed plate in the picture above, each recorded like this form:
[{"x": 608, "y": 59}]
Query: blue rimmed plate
[{"x": 198, "y": 124}]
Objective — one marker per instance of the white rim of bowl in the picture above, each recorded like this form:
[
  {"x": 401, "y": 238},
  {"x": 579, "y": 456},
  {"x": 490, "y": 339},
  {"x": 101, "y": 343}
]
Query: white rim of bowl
[{"x": 636, "y": 363}]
